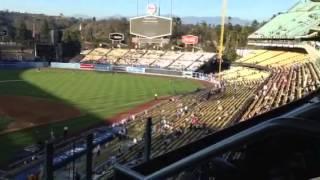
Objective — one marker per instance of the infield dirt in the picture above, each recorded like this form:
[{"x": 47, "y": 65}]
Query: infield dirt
[{"x": 28, "y": 112}]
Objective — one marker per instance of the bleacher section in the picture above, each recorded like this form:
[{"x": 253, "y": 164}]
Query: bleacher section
[
  {"x": 198, "y": 62},
  {"x": 95, "y": 55},
  {"x": 243, "y": 74},
  {"x": 283, "y": 87},
  {"x": 296, "y": 22},
  {"x": 132, "y": 57},
  {"x": 275, "y": 58},
  {"x": 115, "y": 55},
  {"x": 150, "y": 58},
  {"x": 167, "y": 59},
  {"x": 186, "y": 60}
]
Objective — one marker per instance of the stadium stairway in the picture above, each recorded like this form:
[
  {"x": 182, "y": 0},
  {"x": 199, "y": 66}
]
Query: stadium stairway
[
  {"x": 175, "y": 60},
  {"x": 194, "y": 61}
]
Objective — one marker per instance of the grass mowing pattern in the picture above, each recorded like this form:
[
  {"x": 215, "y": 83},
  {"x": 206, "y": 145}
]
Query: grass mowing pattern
[{"x": 98, "y": 95}]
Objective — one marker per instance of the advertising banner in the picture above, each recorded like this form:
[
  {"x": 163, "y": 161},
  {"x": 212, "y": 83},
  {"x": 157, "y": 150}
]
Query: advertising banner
[
  {"x": 190, "y": 39},
  {"x": 103, "y": 67},
  {"x": 187, "y": 74},
  {"x": 119, "y": 68},
  {"x": 135, "y": 70},
  {"x": 87, "y": 66},
  {"x": 65, "y": 65}
]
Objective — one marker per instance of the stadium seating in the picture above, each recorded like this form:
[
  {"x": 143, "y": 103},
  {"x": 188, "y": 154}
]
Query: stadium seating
[
  {"x": 294, "y": 23},
  {"x": 283, "y": 87},
  {"x": 243, "y": 74},
  {"x": 271, "y": 58},
  {"x": 150, "y": 58},
  {"x": 132, "y": 57},
  {"x": 215, "y": 114},
  {"x": 186, "y": 60},
  {"x": 95, "y": 55},
  {"x": 151, "y": 54},
  {"x": 115, "y": 55},
  {"x": 197, "y": 63}
]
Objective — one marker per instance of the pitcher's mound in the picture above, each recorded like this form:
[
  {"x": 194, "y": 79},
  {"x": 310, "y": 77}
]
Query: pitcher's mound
[{"x": 30, "y": 112}]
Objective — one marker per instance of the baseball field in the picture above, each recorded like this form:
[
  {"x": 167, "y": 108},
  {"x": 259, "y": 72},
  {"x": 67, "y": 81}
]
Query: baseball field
[{"x": 33, "y": 103}]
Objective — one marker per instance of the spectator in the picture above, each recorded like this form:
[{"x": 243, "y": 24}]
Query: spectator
[
  {"x": 134, "y": 141},
  {"x": 52, "y": 134},
  {"x": 65, "y": 131},
  {"x": 186, "y": 109}
]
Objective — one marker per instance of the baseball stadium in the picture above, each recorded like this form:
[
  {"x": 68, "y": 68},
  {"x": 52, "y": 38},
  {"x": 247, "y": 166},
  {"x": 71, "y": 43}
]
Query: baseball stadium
[{"x": 151, "y": 97}]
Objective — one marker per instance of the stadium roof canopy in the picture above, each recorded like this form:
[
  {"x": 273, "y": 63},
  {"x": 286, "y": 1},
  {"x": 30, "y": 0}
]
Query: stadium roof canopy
[{"x": 296, "y": 22}]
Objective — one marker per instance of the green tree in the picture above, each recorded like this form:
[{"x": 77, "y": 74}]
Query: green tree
[
  {"x": 255, "y": 24},
  {"x": 176, "y": 28},
  {"x": 71, "y": 43},
  {"x": 45, "y": 30},
  {"x": 21, "y": 32}
]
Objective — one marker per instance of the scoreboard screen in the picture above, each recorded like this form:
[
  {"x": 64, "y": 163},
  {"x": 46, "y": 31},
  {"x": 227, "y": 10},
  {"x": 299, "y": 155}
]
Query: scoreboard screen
[{"x": 151, "y": 26}]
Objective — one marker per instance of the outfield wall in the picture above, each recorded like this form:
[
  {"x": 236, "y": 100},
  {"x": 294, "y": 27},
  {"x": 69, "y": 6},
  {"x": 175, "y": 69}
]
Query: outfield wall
[
  {"x": 65, "y": 65},
  {"x": 131, "y": 69},
  {"x": 22, "y": 65}
]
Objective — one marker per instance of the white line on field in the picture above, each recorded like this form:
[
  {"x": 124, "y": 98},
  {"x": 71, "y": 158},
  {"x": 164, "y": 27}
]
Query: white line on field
[{"x": 7, "y": 81}]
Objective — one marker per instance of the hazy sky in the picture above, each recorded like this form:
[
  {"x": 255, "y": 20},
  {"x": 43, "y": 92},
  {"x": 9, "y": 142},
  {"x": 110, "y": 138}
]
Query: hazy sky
[{"x": 246, "y": 9}]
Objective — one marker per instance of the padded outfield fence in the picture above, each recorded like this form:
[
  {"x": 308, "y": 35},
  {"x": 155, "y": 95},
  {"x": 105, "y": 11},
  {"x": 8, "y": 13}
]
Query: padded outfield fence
[
  {"x": 22, "y": 65},
  {"x": 130, "y": 69}
]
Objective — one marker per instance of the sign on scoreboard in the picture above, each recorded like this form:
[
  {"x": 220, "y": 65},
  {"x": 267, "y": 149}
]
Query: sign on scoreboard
[
  {"x": 137, "y": 40},
  {"x": 190, "y": 39},
  {"x": 151, "y": 26},
  {"x": 116, "y": 36}
]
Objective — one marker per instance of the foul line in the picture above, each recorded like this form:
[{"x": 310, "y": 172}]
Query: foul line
[{"x": 8, "y": 81}]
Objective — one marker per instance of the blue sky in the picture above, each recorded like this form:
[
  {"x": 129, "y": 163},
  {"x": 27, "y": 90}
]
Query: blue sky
[{"x": 246, "y": 9}]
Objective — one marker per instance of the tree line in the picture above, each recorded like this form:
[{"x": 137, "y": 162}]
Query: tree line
[{"x": 88, "y": 33}]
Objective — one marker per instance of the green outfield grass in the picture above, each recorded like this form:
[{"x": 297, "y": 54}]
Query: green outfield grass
[{"x": 97, "y": 95}]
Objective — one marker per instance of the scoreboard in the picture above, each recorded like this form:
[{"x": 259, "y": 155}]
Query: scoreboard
[{"x": 151, "y": 26}]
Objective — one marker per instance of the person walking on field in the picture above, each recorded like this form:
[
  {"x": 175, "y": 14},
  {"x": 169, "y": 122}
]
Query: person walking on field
[{"x": 156, "y": 96}]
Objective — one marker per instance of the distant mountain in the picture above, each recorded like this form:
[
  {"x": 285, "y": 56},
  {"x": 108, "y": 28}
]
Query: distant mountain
[
  {"x": 185, "y": 20},
  {"x": 82, "y": 16},
  {"x": 212, "y": 20}
]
